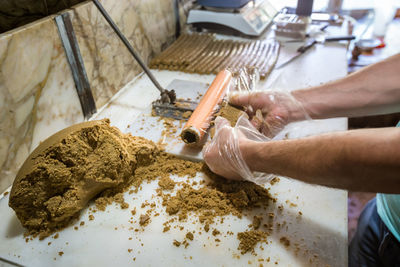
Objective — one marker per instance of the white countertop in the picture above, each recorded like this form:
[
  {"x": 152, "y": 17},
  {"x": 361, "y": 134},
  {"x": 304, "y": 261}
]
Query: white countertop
[{"x": 321, "y": 231}]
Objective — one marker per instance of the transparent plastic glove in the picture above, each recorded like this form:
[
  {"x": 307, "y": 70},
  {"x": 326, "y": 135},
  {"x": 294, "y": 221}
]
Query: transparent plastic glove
[
  {"x": 223, "y": 154},
  {"x": 269, "y": 111}
]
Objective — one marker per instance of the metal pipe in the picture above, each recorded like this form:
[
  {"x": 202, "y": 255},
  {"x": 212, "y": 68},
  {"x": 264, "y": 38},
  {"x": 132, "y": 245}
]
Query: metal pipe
[{"x": 128, "y": 45}]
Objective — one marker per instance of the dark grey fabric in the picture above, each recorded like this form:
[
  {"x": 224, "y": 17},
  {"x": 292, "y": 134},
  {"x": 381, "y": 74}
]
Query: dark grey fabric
[
  {"x": 373, "y": 244},
  {"x": 15, "y": 13}
]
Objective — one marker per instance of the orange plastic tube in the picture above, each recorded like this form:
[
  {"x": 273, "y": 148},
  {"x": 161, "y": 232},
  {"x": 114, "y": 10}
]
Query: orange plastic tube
[{"x": 199, "y": 121}]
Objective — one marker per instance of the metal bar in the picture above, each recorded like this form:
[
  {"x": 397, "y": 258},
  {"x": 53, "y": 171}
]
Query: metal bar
[
  {"x": 10, "y": 262},
  {"x": 128, "y": 45},
  {"x": 76, "y": 64}
]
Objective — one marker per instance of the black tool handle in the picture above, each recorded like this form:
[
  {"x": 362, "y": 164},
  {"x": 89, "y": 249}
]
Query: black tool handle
[
  {"x": 340, "y": 38},
  {"x": 307, "y": 46},
  {"x": 127, "y": 44}
]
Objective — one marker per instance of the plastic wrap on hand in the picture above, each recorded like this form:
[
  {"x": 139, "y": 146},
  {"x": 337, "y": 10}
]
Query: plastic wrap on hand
[{"x": 269, "y": 111}]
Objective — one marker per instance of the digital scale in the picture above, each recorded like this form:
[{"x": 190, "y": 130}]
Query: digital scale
[{"x": 244, "y": 16}]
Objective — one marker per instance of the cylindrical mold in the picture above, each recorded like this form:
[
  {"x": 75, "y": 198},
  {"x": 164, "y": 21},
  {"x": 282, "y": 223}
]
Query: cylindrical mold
[{"x": 199, "y": 121}]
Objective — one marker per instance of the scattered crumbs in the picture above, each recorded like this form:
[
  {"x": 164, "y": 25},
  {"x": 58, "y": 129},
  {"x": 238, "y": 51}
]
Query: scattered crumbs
[
  {"x": 56, "y": 236},
  {"x": 189, "y": 236},
  {"x": 134, "y": 259},
  {"x": 300, "y": 213},
  {"x": 91, "y": 217},
  {"x": 49, "y": 243},
  {"x": 249, "y": 239},
  {"x": 130, "y": 250},
  {"x": 82, "y": 223},
  {"x": 130, "y": 238},
  {"x": 176, "y": 243},
  {"x": 271, "y": 215},
  {"x": 217, "y": 240},
  {"x": 76, "y": 228},
  {"x": 207, "y": 227},
  {"x": 5, "y": 193},
  {"x": 285, "y": 241},
  {"x": 60, "y": 253},
  {"x": 115, "y": 228}
]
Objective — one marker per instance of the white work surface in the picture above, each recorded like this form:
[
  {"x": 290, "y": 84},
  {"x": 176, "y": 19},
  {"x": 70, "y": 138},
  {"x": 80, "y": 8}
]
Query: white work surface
[{"x": 318, "y": 237}]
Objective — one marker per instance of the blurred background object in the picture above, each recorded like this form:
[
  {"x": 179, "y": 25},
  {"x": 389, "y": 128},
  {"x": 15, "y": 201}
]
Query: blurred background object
[{"x": 15, "y": 13}]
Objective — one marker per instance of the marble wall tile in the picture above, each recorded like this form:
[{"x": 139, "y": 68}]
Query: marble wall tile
[
  {"x": 33, "y": 72},
  {"x": 148, "y": 24}
]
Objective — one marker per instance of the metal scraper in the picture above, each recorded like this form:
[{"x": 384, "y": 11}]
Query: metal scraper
[{"x": 189, "y": 93}]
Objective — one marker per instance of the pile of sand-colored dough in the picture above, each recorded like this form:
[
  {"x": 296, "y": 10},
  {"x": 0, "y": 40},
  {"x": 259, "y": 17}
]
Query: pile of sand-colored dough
[{"x": 70, "y": 168}]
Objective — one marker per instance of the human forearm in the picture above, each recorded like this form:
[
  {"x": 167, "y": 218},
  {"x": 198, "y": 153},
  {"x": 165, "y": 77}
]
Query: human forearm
[
  {"x": 373, "y": 90},
  {"x": 361, "y": 160}
]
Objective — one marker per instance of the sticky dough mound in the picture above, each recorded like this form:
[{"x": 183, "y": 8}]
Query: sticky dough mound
[{"x": 76, "y": 164}]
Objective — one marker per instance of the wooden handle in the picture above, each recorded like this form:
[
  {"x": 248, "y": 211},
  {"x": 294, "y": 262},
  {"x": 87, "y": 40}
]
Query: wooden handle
[{"x": 199, "y": 121}]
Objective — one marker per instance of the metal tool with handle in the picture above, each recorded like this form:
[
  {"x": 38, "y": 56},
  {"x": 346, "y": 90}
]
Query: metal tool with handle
[
  {"x": 166, "y": 96},
  {"x": 310, "y": 43}
]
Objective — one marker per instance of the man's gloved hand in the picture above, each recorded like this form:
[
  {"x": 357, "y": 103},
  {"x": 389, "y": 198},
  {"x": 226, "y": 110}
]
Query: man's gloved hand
[
  {"x": 223, "y": 155},
  {"x": 269, "y": 111},
  {"x": 226, "y": 153}
]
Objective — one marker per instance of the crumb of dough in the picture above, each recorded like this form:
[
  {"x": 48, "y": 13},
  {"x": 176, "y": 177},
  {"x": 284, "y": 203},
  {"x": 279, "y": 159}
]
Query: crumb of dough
[
  {"x": 60, "y": 253},
  {"x": 82, "y": 223},
  {"x": 274, "y": 180},
  {"x": 189, "y": 236},
  {"x": 144, "y": 219},
  {"x": 91, "y": 217},
  {"x": 257, "y": 222},
  {"x": 187, "y": 114},
  {"x": 215, "y": 232},
  {"x": 249, "y": 239},
  {"x": 166, "y": 183},
  {"x": 176, "y": 243},
  {"x": 230, "y": 113},
  {"x": 285, "y": 241}
]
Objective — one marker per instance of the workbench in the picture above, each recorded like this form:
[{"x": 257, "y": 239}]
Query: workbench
[{"x": 318, "y": 237}]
